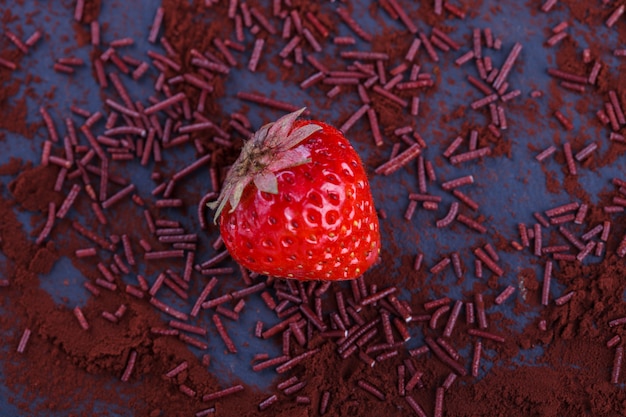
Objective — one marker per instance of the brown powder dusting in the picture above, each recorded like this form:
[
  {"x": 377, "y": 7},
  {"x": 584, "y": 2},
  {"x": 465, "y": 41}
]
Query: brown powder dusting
[
  {"x": 74, "y": 366},
  {"x": 33, "y": 188}
]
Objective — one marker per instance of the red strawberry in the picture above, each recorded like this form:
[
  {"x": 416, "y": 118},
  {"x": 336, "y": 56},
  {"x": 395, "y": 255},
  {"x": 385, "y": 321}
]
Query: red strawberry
[{"x": 297, "y": 204}]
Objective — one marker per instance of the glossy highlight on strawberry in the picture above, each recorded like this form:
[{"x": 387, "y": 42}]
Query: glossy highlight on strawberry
[{"x": 297, "y": 204}]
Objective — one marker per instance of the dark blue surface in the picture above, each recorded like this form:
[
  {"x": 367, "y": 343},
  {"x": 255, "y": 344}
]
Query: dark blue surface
[{"x": 508, "y": 190}]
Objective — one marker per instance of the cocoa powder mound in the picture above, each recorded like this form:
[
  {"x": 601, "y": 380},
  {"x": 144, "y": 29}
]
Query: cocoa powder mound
[
  {"x": 72, "y": 369},
  {"x": 33, "y": 188},
  {"x": 571, "y": 376}
]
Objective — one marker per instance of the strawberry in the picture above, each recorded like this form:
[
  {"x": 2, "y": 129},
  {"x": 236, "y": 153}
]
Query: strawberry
[{"x": 297, "y": 204}]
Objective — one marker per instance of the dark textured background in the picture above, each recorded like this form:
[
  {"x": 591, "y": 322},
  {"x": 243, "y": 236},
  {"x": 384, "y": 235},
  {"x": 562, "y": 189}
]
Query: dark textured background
[{"x": 508, "y": 188}]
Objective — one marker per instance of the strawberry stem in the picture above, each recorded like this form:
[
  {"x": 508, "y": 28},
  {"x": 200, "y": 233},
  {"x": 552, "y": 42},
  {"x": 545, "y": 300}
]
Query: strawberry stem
[{"x": 274, "y": 147}]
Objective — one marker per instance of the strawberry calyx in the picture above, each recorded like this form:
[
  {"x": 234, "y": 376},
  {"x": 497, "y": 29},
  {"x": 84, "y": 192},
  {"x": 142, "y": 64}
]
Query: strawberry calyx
[{"x": 274, "y": 147}]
